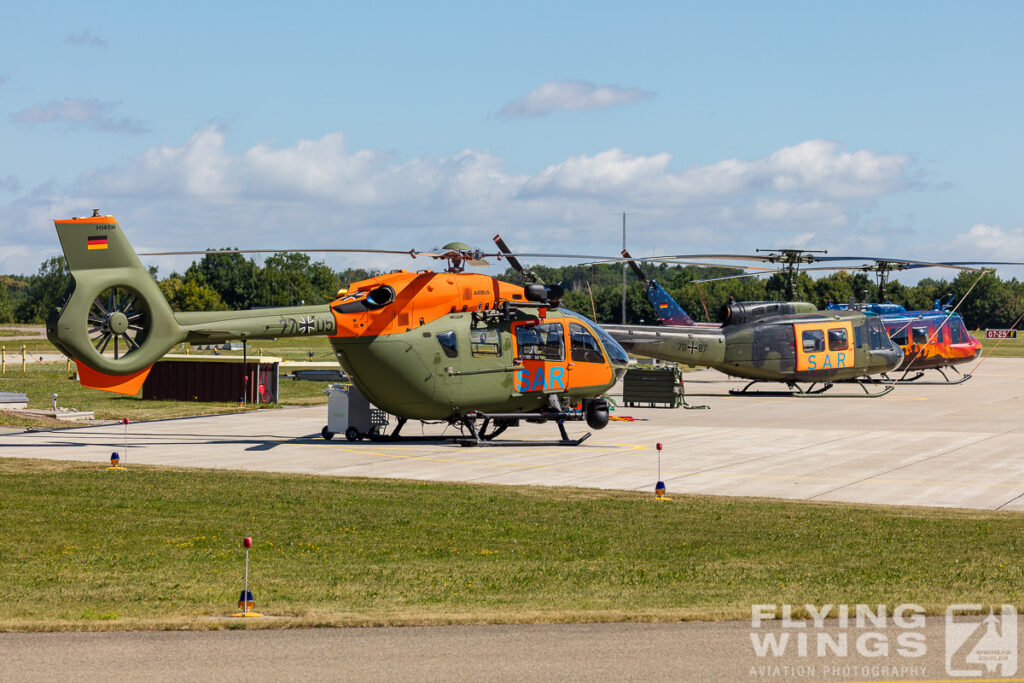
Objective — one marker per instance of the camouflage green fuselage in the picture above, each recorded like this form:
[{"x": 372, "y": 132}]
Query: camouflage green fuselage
[
  {"x": 769, "y": 349},
  {"x": 409, "y": 375}
]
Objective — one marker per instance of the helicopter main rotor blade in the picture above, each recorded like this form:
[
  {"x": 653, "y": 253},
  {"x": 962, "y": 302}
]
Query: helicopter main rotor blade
[
  {"x": 202, "y": 252},
  {"x": 734, "y": 277},
  {"x": 892, "y": 264},
  {"x": 636, "y": 269},
  {"x": 507, "y": 253},
  {"x": 904, "y": 263}
]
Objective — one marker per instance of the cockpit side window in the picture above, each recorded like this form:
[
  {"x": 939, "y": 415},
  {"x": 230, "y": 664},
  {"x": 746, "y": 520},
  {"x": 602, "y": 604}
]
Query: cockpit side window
[
  {"x": 965, "y": 336},
  {"x": 540, "y": 342},
  {"x": 878, "y": 338},
  {"x": 954, "y": 332},
  {"x": 583, "y": 345},
  {"x": 616, "y": 354}
]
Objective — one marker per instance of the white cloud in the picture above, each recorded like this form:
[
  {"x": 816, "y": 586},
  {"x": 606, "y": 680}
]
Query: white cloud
[
  {"x": 985, "y": 243},
  {"x": 816, "y": 168},
  {"x": 79, "y": 113},
  {"x": 825, "y": 214},
  {"x": 320, "y": 193},
  {"x": 819, "y": 165},
  {"x": 572, "y": 96}
]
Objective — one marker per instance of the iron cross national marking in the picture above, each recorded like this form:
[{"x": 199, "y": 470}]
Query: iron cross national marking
[
  {"x": 692, "y": 348},
  {"x": 306, "y": 325}
]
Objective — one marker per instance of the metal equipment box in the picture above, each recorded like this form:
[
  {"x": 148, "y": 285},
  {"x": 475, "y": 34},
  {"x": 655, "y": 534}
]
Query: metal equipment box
[
  {"x": 351, "y": 414},
  {"x": 197, "y": 377},
  {"x": 662, "y": 385}
]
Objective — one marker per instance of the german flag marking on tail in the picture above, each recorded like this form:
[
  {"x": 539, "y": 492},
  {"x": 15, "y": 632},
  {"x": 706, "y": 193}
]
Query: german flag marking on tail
[{"x": 97, "y": 243}]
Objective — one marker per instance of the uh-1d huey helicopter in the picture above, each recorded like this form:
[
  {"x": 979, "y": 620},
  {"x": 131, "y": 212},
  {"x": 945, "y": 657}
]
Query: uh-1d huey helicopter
[
  {"x": 765, "y": 341},
  {"x": 452, "y": 346},
  {"x": 932, "y": 339}
]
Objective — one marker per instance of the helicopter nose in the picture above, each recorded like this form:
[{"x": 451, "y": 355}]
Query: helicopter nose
[
  {"x": 620, "y": 370},
  {"x": 897, "y": 356}
]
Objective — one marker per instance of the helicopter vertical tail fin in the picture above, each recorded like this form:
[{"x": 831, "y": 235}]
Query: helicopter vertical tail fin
[
  {"x": 115, "y": 322},
  {"x": 668, "y": 310}
]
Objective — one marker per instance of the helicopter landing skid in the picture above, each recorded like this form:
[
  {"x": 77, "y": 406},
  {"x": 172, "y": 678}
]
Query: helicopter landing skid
[
  {"x": 920, "y": 373},
  {"x": 498, "y": 422},
  {"x": 503, "y": 421},
  {"x": 797, "y": 391}
]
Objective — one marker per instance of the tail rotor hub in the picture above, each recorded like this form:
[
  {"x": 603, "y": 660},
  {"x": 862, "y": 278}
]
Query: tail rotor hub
[{"x": 117, "y": 322}]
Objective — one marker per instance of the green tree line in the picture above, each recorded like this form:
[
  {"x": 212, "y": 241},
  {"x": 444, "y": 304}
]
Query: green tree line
[{"x": 231, "y": 281}]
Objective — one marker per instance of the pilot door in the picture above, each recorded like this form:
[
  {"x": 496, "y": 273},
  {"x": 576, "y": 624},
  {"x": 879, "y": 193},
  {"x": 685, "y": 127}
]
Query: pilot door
[
  {"x": 587, "y": 366},
  {"x": 540, "y": 351}
]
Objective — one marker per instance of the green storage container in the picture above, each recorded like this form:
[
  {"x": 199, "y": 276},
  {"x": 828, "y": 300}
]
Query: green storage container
[{"x": 651, "y": 387}]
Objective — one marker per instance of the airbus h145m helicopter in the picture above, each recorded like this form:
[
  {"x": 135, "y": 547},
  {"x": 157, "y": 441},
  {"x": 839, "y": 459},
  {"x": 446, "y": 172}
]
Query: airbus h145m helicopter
[{"x": 455, "y": 346}]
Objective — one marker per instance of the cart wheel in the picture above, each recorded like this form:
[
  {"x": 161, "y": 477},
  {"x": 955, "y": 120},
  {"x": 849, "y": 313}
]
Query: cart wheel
[
  {"x": 352, "y": 434},
  {"x": 326, "y": 434}
]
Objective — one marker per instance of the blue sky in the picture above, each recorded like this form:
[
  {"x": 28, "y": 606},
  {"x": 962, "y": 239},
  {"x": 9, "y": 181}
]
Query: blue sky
[{"x": 883, "y": 128}]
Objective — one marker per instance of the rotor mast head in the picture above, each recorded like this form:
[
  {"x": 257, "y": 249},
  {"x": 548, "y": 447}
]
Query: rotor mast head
[
  {"x": 458, "y": 254},
  {"x": 791, "y": 260}
]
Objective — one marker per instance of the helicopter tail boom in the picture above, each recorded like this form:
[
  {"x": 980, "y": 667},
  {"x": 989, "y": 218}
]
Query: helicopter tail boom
[{"x": 115, "y": 321}]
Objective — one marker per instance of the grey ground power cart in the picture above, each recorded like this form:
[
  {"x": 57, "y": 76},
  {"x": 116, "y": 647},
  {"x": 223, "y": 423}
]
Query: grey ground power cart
[{"x": 349, "y": 413}]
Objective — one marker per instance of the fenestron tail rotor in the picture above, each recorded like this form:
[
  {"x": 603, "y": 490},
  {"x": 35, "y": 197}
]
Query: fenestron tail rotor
[{"x": 117, "y": 322}]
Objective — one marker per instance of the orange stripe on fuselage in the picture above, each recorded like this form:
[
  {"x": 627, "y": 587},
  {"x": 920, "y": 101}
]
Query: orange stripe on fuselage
[
  {"x": 420, "y": 298},
  {"x": 128, "y": 385},
  {"x": 90, "y": 219}
]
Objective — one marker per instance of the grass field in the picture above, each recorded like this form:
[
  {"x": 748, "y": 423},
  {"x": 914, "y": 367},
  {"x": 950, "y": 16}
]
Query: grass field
[{"x": 87, "y": 548}]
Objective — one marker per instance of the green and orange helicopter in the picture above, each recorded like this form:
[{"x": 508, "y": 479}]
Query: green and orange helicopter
[{"x": 455, "y": 346}]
